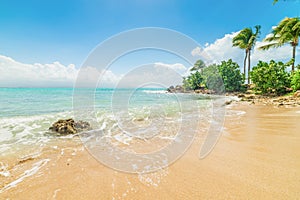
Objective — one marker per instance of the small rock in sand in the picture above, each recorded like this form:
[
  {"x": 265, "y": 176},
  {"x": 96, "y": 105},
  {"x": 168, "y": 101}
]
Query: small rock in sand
[{"x": 69, "y": 126}]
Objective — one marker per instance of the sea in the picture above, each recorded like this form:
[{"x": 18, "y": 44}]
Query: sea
[{"x": 123, "y": 115}]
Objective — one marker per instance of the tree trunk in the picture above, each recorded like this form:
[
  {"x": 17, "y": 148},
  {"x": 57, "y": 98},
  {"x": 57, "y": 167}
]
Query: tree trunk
[
  {"x": 294, "y": 57},
  {"x": 245, "y": 59},
  {"x": 249, "y": 52}
]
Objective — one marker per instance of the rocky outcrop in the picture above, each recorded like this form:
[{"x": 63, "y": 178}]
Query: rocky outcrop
[
  {"x": 248, "y": 96},
  {"x": 69, "y": 126},
  {"x": 180, "y": 89},
  {"x": 176, "y": 89},
  {"x": 289, "y": 101},
  {"x": 204, "y": 91}
]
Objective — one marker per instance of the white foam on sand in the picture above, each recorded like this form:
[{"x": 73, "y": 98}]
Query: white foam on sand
[
  {"x": 154, "y": 178},
  {"x": 123, "y": 138},
  {"x": 3, "y": 170},
  {"x": 35, "y": 168}
]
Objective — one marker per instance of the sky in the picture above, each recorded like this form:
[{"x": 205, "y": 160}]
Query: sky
[{"x": 50, "y": 40}]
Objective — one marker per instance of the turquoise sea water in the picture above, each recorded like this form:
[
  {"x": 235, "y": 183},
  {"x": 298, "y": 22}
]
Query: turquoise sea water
[
  {"x": 34, "y": 101},
  {"x": 27, "y": 113}
]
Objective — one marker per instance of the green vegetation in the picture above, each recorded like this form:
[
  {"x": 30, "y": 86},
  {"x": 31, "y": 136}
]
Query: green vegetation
[
  {"x": 199, "y": 65},
  {"x": 246, "y": 40},
  {"x": 270, "y": 78},
  {"x": 193, "y": 81},
  {"x": 296, "y": 80},
  {"x": 231, "y": 75},
  {"x": 287, "y": 31},
  {"x": 212, "y": 79},
  {"x": 220, "y": 78}
]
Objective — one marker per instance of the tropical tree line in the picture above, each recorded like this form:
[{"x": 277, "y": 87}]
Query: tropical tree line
[
  {"x": 286, "y": 32},
  {"x": 272, "y": 77},
  {"x": 224, "y": 77},
  {"x": 267, "y": 78}
]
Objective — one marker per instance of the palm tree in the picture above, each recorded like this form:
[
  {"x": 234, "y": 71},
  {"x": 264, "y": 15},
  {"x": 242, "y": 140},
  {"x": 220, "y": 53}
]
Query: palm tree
[
  {"x": 287, "y": 31},
  {"x": 198, "y": 65},
  {"x": 246, "y": 40}
]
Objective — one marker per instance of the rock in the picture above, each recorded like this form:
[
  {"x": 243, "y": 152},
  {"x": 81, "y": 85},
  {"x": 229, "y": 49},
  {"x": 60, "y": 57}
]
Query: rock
[
  {"x": 69, "y": 126},
  {"x": 241, "y": 95},
  {"x": 297, "y": 94},
  {"x": 177, "y": 89},
  {"x": 202, "y": 90},
  {"x": 228, "y": 102},
  {"x": 252, "y": 96},
  {"x": 171, "y": 89}
]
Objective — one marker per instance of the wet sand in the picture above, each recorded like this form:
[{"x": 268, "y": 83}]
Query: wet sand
[{"x": 257, "y": 157}]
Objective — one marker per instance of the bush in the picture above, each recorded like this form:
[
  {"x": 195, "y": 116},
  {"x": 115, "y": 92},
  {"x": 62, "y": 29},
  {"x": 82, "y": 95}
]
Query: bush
[
  {"x": 193, "y": 81},
  {"x": 270, "y": 78},
  {"x": 295, "y": 83},
  {"x": 212, "y": 79},
  {"x": 232, "y": 77},
  {"x": 220, "y": 78}
]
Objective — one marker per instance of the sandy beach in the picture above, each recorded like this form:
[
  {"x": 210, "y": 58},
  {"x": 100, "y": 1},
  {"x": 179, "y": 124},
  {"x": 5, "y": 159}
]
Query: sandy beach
[{"x": 257, "y": 157}]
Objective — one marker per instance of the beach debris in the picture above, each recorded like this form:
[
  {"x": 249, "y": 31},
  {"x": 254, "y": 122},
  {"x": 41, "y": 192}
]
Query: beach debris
[{"x": 69, "y": 126}]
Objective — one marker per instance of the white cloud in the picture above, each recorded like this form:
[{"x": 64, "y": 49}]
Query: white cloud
[
  {"x": 162, "y": 75},
  {"x": 222, "y": 49},
  {"x": 17, "y": 74},
  {"x": 176, "y": 66},
  {"x": 283, "y": 53},
  {"x": 197, "y": 51},
  {"x": 201, "y": 54}
]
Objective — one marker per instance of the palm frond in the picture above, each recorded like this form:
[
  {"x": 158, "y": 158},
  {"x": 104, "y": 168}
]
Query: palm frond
[
  {"x": 296, "y": 26},
  {"x": 270, "y": 45},
  {"x": 271, "y": 38},
  {"x": 242, "y": 39}
]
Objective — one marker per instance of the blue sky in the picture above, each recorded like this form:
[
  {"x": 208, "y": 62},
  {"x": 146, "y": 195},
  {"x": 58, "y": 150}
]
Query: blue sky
[
  {"x": 35, "y": 31},
  {"x": 66, "y": 31}
]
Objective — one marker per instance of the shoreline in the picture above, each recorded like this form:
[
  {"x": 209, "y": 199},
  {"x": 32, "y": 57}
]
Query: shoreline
[
  {"x": 288, "y": 100},
  {"x": 257, "y": 156}
]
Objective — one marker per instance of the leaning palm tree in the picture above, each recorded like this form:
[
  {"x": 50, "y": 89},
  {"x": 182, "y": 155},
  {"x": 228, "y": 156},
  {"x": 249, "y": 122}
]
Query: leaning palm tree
[
  {"x": 287, "y": 31},
  {"x": 199, "y": 65},
  {"x": 246, "y": 40}
]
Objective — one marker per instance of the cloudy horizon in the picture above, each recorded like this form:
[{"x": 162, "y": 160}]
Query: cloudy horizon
[{"x": 18, "y": 74}]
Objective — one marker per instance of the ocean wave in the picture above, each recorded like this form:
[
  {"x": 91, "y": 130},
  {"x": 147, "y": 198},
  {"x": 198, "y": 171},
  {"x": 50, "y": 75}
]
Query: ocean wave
[{"x": 155, "y": 91}]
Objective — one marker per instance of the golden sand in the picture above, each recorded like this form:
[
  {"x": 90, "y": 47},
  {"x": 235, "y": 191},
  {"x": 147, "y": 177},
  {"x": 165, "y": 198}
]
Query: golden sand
[{"x": 257, "y": 157}]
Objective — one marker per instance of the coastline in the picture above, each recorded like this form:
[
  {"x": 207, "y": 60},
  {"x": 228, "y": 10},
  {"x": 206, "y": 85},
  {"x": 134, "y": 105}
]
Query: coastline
[
  {"x": 291, "y": 100},
  {"x": 257, "y": 156}
]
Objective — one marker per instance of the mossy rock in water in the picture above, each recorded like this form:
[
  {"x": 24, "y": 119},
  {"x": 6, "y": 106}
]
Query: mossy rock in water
[{"x": 69, "y": 126}]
